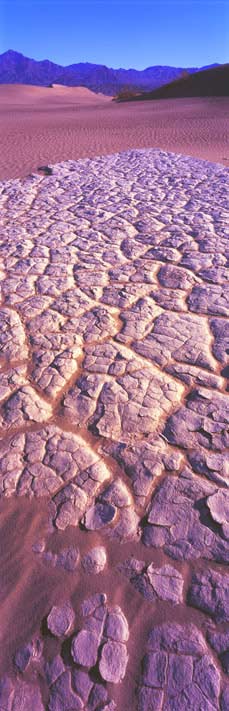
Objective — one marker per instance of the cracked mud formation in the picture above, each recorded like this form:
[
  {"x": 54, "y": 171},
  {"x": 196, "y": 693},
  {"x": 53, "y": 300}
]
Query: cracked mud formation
[{"x": 114, "y": 508}]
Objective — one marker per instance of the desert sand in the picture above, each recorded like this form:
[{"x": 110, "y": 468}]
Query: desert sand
[
  {"x": 13, "y": 95},
  {"x": 114, "y": 436},
  {"x": 39, "y": 126}
]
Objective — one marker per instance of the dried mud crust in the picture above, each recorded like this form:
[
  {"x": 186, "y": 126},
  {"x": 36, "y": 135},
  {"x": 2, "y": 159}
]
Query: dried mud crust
[{"x": 114, "y": 347}]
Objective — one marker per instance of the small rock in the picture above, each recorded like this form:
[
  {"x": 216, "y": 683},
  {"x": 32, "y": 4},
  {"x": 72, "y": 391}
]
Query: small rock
[
  {"x": 127, "y": 526},
  {"x": 61, "y": 619},
  {"x": 182, "y": 639},
  {"x": 219, "y": 640},
  {"x": 95, "y": 623},
  {"x": 218, "y": 505},
  {"x": 180, "y": 671},
  {"x": 85, "y": 648},
  {"x": 94, "y": 561},
  {"x": 154, "y": 669},
  {"x": 150, "y": 699},
  {"x": 167, "y": 582},
  {"x": 38, "y": 546},
  {"x": 54, "y": 669},
  {"x": 68, "y": 515},
  {"x": 98, "y": 697},
  {"x": 191, "y": 697},
  {"x": 62, "y": 697},
  {"x": 68, "y": 558},
  {"x": 209, "y": 591},
  {"x": 207, "y": 677},
  {"x": 23, "y": 657},
  {"x": 82, "y": 684},
  {"x": 131, "y": 567},
  {"x": 112, "y": 665},
  {"x": 116, "y": 626},
  {"x": 91, "y": 604},
  {"x": 50, "y": 558},
  {"x": 117, "y": 494},
  {"x": 99, "y": 516}
]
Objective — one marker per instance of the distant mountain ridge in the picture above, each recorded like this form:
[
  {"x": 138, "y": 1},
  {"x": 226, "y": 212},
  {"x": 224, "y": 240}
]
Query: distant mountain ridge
[
  {"x": 17, "y": 69},
  {"x": 210, "y": 82}
]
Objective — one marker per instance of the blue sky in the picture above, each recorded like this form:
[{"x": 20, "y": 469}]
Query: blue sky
[{"x": 118, "y": 33}]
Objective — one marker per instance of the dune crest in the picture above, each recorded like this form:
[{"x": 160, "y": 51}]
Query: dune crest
[{"x": 20, "y": 94}]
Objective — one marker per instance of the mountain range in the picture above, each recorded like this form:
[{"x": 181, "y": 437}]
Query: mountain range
[
  {"x": 210, "y": 82},
  {"x": 17, "y": 69}
]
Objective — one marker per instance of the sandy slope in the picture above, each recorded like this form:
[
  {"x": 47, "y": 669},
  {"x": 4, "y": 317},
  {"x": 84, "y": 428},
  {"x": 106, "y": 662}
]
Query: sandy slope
[
  {"x": 39, "y": 126},
  {"x": 23, "y": 94}
]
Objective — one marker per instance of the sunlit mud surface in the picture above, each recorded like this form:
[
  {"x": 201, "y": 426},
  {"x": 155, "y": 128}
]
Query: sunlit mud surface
[{"x": 114, "y": 509}]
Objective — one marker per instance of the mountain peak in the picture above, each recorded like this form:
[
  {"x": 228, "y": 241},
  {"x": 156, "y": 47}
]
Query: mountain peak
[{"x": 11, "y": 52}]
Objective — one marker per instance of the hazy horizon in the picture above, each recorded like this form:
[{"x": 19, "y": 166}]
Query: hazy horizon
[{"x": 118, "y": 34}]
